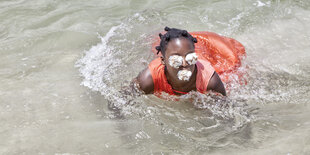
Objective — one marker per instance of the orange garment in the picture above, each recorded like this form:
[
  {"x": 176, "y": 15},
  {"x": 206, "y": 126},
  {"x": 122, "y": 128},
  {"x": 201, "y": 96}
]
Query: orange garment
[
  {"x": 224, "y": 54},
  {"x": 204, "y": 74}
]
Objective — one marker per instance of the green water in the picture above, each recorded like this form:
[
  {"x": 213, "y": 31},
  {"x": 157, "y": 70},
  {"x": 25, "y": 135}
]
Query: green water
[{"x": 62, "y": 61}]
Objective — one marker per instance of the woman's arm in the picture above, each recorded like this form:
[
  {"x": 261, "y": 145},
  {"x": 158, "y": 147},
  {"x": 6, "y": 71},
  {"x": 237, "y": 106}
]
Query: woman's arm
[
  {"x": 145, "y": 81},
  {"x": 216, "y": 84}
]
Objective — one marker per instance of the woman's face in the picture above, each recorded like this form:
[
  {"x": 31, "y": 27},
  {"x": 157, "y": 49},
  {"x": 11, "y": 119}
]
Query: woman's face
[{"x": 180, "y": 58}]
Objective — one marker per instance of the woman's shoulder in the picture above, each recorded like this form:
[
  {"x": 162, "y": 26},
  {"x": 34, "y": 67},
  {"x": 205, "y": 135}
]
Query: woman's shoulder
[{"x": 145, "y": 81}]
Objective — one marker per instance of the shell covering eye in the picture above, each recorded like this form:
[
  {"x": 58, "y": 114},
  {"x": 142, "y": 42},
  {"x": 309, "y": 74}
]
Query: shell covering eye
[
  {"x": 191, "y": 58},
  {"x": 175, "y": 61}
]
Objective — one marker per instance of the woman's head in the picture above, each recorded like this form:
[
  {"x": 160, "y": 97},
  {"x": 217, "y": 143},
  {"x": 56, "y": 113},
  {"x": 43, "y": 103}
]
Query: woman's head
[
  {"x": 178, "y": 50},
  {"x": 173, "y": 33}
]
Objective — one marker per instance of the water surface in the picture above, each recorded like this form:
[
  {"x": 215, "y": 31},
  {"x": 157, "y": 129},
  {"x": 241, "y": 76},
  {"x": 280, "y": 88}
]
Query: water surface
[{"x": 61, "y": 62}]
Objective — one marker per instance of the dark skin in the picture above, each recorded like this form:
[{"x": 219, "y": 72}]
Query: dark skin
[{"x": 181, "y": 47}]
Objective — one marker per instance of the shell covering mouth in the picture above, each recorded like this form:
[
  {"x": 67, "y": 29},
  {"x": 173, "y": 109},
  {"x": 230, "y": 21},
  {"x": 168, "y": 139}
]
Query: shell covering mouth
[{"x": 184, "y": 75}]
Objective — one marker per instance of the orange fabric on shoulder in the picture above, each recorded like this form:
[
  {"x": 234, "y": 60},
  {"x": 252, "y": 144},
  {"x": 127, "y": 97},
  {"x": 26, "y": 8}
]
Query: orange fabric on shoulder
[
  {"x": 204, "y": 74},
  {"x": 157, "y": 70}
]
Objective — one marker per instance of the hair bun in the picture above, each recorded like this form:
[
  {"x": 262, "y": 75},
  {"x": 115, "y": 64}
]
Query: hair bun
[
  {"x": 194, "y": 40},
  {"x": 157, "y": 48},
  {"x": 184, "y": 33},
  {"x": 167, "y": 28},
  {"x": 167, "y": 38}
]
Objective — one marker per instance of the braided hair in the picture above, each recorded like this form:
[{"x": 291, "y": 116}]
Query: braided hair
[{"x": 171, "y": 34}]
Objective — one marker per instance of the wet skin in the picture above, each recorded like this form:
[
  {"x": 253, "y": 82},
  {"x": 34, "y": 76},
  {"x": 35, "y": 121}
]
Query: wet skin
[{"x": 181, "y": 47}]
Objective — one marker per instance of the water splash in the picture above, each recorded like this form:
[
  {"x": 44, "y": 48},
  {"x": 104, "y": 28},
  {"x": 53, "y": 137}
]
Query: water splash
[
  {"x": 99, "y": 65},
  {"x": 108, "y": 65}
]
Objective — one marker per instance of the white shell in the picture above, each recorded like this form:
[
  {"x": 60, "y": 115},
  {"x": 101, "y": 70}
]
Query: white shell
[
  {"x": 184, "y": 75},
  {"x": 175, "y": 61},
  {"x": 191, "y": 59}
]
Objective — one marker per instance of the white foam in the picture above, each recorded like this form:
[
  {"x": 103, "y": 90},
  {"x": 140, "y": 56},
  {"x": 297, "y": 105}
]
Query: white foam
[{"x": 260, "y": 4}]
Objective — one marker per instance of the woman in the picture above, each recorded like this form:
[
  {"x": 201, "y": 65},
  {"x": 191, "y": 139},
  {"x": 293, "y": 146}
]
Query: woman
[{"x": 179, "y": 70}]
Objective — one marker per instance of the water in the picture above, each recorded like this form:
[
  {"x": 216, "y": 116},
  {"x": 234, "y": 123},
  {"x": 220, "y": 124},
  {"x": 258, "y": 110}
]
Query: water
[{"x": 61, "y": 62}]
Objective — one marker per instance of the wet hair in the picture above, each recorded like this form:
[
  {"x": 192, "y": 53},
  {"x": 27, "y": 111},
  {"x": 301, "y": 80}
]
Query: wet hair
[{"x": 173, "y": 33}]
